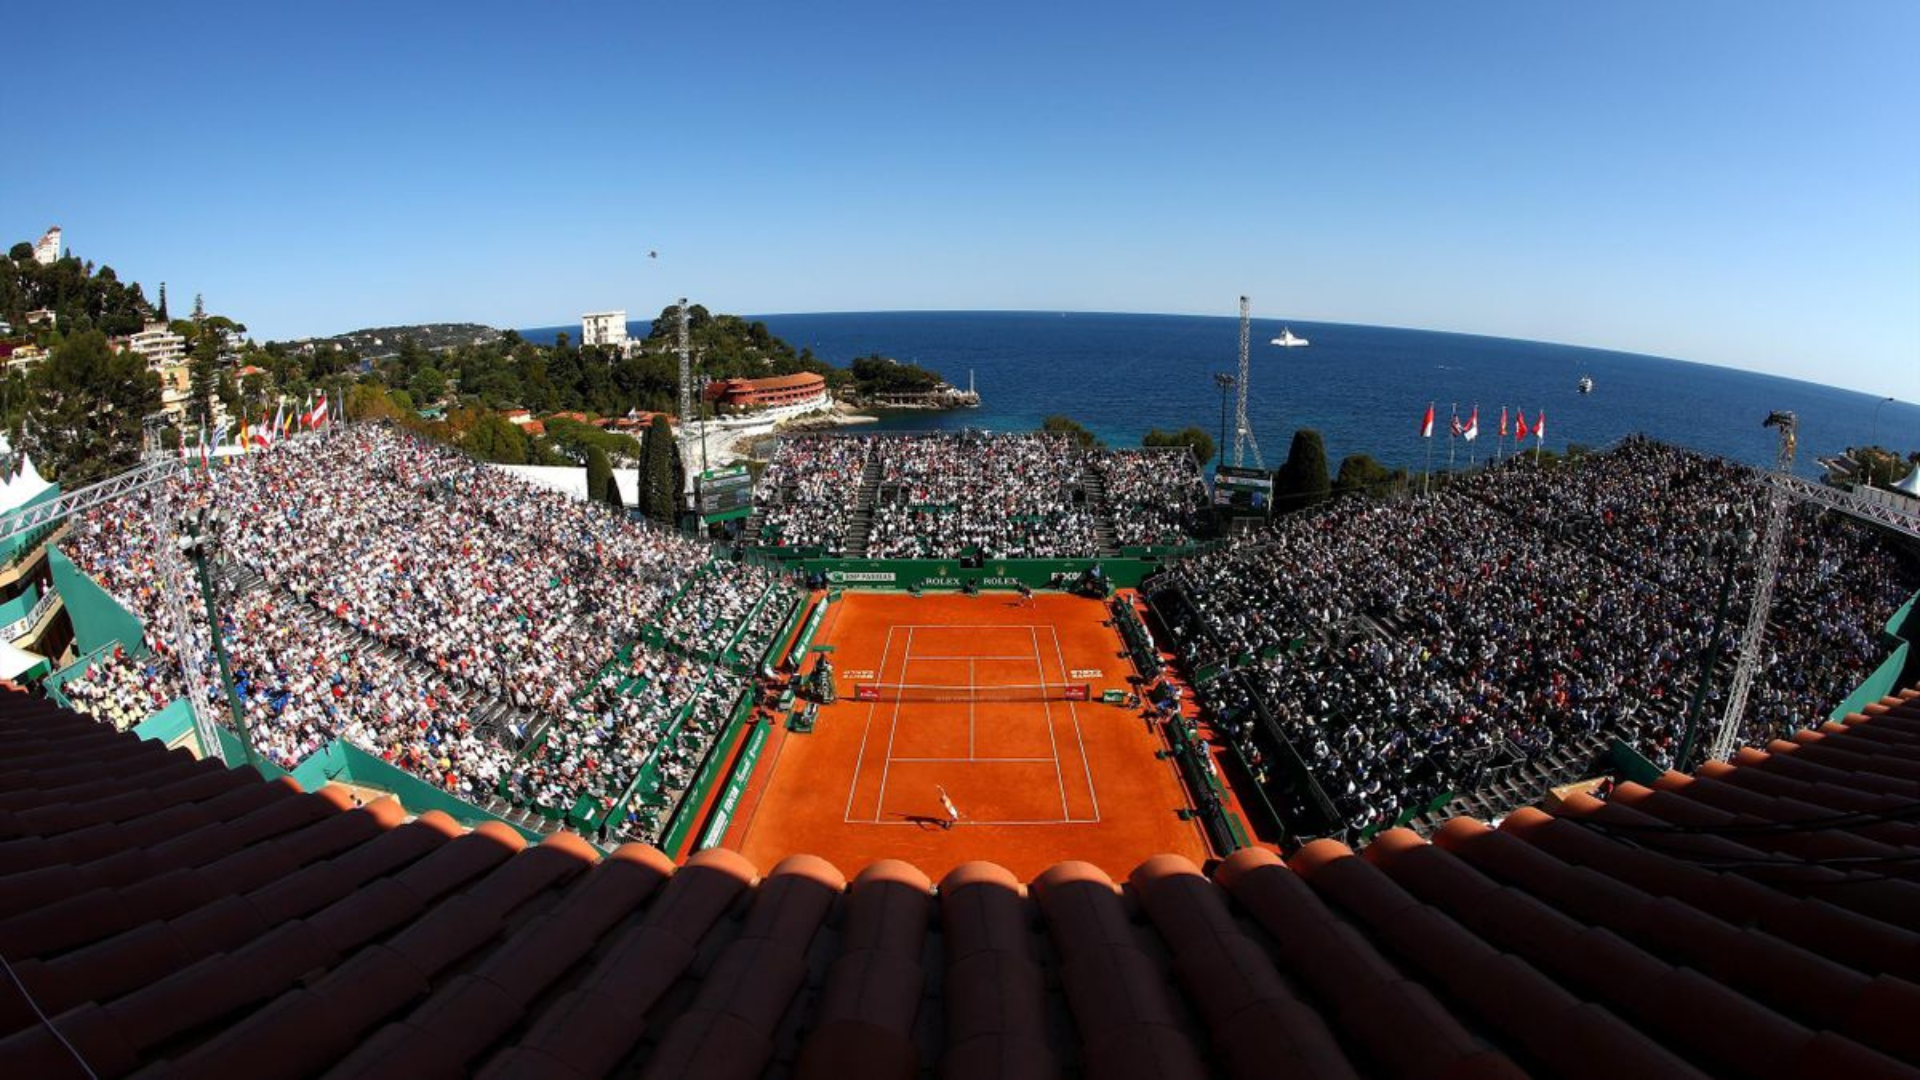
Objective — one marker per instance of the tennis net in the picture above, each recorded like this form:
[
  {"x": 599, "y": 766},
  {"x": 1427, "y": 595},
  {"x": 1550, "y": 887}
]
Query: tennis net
[{"x": 1002, "y": 692}]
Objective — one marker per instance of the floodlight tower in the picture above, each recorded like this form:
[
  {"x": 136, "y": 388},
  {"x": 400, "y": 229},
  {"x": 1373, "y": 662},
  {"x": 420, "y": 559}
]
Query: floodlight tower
[
  {"x": 1243, "y": 431},
  {"x": 686, "y": 372},
  {"x": 1774, "y": 533}
]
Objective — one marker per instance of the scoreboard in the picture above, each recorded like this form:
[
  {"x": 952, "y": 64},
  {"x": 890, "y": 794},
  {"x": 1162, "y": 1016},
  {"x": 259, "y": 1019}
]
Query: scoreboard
[
  {"x": 725, "y": 493},
  {"x": 1243, "y": 492}
]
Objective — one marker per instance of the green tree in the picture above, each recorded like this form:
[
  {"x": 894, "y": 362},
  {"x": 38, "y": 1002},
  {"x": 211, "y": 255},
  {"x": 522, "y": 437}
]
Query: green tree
[
  {"x": 659, "y": 496},
  {"x": 1360, "y": 474},
  {"x": 1061, "y": 425},
  {"x": 493, "y": 438},
  {"x": 22, "y": 252},
  {"x": 600, "y": 476},
  {"x": 429, "y": 385},
  {"x": 1195, "y": 439},
  {"x": 86, "y": 407},
  {"x": 1302, "y": 482},
  {"x": 203, "y": 378}
]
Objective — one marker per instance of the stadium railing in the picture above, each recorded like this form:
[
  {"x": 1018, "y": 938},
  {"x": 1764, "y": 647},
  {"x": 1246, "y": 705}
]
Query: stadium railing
[{"x": 687, "y": 813}]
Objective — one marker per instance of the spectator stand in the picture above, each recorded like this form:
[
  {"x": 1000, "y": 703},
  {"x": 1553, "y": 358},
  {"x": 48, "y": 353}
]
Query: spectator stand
[
  {"x": 645, "y": 807},
  {"x": 1235, "y": 708},
  {"x": 1139, "y": 642},
  {"x": 52, "y": 684}
]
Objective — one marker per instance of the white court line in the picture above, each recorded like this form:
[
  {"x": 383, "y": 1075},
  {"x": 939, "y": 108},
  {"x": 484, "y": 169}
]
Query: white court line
[
  {"x": 965, "y": 760},
  {"x": 980, "y": 657},
  {"x": 970, "y": 710},
  {"x": 1059, "y": 777},
  {"x": 893, "y": 728},
  {"x": 847, "y": 818},
  {"x": 1074, "y": 712},
  {"x": 966, "y": 822}
]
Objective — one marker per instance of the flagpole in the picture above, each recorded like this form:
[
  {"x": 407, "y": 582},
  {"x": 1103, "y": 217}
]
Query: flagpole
[
  {"x": 1426, "y": 482},
  {"x": 1453, "y": 425}
]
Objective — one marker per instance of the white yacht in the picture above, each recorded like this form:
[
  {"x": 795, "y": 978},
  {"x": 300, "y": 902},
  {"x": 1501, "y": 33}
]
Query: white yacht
[
  {"x": 1586, "y": 384},
  {"x": 1287, "y": 340}
]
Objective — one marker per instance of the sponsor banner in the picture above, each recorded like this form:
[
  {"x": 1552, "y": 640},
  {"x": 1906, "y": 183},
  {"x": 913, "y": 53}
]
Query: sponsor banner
[
  {"x": 866, "y": 693},
  {"x": 1001, "y": 582},
  {"x": 1084, "y": 673},
  {"x": 1077, "y": 692},
  {"x": 858, "y": 676},
  {"x": 940, "y": 583},
  {"x": 858, "y": 576}
]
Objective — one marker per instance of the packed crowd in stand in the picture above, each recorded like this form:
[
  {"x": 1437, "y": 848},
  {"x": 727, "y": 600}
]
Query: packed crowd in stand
[
  {"x": 1005, "y": 496},
  {"x": 481, "y": 590},
  {"x": 1001, "y": 495},
  {"x": 808, "y": 492},
  {"x": 1400, "y": 646},
  {"x": 121, "y": 689},
  {"x": 1155, "y": 495}
]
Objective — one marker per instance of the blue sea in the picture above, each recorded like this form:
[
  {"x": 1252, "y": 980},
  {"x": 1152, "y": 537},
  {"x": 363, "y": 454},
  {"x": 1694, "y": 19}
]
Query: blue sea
[{"x": 1364, "y": 388}]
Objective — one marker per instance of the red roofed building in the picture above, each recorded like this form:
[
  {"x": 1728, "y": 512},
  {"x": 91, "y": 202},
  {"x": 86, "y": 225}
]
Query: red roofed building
[
  {"x": 172, "y": 917},
  {"x": 805, "y": 388}
]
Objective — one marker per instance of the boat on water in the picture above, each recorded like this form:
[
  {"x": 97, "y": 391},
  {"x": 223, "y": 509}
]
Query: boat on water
[
  {"x": 1287, "y": 339},
  {"x": 1586, "y": 384}
]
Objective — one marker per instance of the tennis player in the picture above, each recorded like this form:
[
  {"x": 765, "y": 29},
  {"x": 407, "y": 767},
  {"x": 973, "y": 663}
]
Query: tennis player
[{"x": 953, "y": 812}]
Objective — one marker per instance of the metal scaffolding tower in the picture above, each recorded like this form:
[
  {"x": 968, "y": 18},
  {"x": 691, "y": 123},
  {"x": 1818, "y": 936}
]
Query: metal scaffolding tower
[
  {"x": 1771, "y": 541},
  {"x": 1242, "y": 431},
  {"x": 686, "y": 374}
]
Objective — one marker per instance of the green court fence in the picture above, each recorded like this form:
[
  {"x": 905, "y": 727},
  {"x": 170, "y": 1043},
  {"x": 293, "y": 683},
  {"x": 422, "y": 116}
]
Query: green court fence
[
  {"x": 686, "y": 814},
  {"x": 942, "y": 574},
  {"x": 729, "y": 801}
]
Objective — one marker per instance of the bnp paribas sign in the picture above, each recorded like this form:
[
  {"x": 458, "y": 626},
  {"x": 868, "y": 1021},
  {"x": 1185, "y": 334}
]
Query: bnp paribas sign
[{"x": 859, "y": 577}]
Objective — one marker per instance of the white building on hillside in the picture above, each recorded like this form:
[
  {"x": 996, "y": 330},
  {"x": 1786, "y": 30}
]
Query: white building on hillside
[
  {"x": 604, "y": 328},
  {"x": 47, "y": 251},
  {"x": 159, "y": 346}
]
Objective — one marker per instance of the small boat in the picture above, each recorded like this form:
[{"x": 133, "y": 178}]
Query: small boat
[
  {"x": 1586, "y": 384},
  {"x": 1287, "y": 340}
]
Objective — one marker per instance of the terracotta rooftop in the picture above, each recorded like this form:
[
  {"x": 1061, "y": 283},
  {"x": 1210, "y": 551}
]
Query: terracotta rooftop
[{"x": 174, "y": 918}]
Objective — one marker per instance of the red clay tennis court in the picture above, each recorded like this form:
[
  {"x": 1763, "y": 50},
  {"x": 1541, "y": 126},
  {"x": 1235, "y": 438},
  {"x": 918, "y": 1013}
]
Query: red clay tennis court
[{"x": 992, "y": 700}]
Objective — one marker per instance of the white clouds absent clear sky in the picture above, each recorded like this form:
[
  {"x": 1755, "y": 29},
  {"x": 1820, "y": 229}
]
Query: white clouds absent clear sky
[{"x": 1734, "y": 183}]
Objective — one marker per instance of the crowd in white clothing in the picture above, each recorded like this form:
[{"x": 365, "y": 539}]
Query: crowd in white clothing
[
  {"x": 1156, "y": 495},
  {"x": 1401, "y": 645},
  {"x": 484, "y": 591},
  {"x": 969, "y": 492},
  {"x": 808, "y": 490}
]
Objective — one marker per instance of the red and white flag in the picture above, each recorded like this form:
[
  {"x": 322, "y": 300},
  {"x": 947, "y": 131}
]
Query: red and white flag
[
  {"x": 1503, "y": 421},
  {"x": 319, "y": 414},
  {"x": 1473, "y": 426},
  {"x": 1453, "y": 426},
  {"x": 1540, "y": 425},
  {"x": 1426, "y": 425},
  {"x": 1519, "y": 425}
]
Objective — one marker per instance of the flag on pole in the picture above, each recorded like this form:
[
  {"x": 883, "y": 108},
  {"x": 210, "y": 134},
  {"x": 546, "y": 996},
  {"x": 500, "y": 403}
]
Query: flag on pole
[
  {"x": 1519, "y": 425},
  {"x": 279, "y": 420},
  {"x": 320, "y": 410},
  {"x": 203, "y": 447},
  {"x": 1473, "y": 426},
  {"x": 1503, "y": 421},
  {"x": 1454, "y": 428},
  {"x": 1540, "y": 425},
  {"x": 1426, "y": 425}
]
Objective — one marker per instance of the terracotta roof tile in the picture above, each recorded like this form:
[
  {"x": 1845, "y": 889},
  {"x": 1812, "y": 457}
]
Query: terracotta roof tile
[{"x": 178, "y": 919}]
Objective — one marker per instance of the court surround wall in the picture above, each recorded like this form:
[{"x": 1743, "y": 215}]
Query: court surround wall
[{"x": 938, "y": 574}]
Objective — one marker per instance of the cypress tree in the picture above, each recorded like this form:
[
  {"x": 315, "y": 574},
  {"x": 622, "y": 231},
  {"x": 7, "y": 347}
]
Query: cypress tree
[
  {"x": 661, "y": 499},
  {"x": 599, "y": 475},
  {"x": 1302, "y": 482},
  {"x": 203, "y": 376}
]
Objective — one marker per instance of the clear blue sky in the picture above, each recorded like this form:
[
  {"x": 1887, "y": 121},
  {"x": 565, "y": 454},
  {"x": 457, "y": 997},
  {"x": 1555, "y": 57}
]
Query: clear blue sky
[{"x": 1730, "y": 182}]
